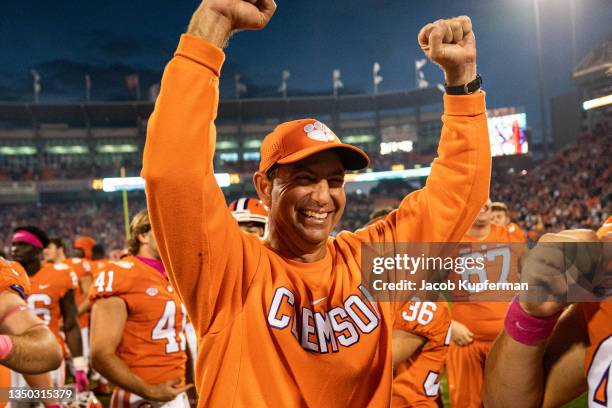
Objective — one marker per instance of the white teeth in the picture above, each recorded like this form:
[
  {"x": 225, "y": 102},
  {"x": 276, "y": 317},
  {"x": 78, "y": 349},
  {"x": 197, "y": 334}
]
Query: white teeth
[{"x": 320, "y": 216}]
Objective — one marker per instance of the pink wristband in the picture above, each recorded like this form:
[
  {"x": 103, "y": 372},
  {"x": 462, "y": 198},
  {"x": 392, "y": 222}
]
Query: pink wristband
[
  {"x": 527, "y": 329},
  {"x": 6, "y": 345}
]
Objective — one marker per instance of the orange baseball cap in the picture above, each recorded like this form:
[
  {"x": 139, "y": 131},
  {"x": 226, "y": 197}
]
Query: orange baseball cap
[{"x": 293, "y": 141}]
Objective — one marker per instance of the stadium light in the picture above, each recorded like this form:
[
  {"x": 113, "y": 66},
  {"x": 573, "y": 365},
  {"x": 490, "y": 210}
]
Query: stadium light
[
  {"x": 387, "y": 175},
  {"x": 597, "y": 102},
  {"x": 111, "y": 184},
  {"x": 18, "y": 150},
  {"x": 117, "y": 148}
]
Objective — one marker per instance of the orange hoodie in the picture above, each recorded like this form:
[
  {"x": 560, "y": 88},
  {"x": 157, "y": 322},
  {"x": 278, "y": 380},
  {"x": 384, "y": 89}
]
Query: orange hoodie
[{"x": 275, "y": 332}]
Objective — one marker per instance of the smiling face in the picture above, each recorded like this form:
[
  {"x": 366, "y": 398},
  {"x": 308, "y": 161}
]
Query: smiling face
[{"x": 307, "y": 199}]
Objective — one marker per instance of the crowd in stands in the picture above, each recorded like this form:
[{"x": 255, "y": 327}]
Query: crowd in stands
[
  {"x": 66, "y": 171},
  {"x": 572, "y": 189},
  {"x": 101, "y": 220},
  {"x": 79, "y": 169}
]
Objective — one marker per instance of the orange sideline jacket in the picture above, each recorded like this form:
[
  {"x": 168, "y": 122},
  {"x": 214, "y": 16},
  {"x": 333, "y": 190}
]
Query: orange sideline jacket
[{"x": 275, "y": 332}]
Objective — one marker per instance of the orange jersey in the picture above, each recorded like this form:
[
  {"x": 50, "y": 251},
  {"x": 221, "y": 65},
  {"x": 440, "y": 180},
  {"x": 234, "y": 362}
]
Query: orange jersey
[
  {"x": 598, "y": 361},
  {"x": 486, "y": 319},
  {"x": 417, "y": 380},
  {"x": 82, "y": 267},
  {"x": 273, "y": 331},
  {"x": 98, "y": 265},
  {"x": 49, "y": 285},
  {"x": 517, "y": 233},
  {"x": 153, "y": 343},
  {"x": 14, "y": 277}
]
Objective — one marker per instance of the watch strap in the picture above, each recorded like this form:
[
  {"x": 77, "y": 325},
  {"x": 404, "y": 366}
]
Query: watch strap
[{"x": 465, "y": 89}]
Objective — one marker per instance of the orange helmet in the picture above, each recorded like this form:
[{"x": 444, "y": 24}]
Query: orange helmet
[
  {"x": 249, "y": 210},
  {"x": 85, "y": 244}
]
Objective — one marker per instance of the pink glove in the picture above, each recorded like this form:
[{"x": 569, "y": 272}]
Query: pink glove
[
  {"x": 82, "y": 382},
  {"x": 80, "y": 374}
]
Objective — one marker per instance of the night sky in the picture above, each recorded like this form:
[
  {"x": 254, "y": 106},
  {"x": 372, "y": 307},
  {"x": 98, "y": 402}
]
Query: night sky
[{"x": 109, "y": 39}]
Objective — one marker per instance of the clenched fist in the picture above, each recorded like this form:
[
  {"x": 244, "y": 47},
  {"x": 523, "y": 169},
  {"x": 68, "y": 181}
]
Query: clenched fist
[
  {"x": 563, "y": 268},
  {"x": 452, "y": 45},
  {"x": 215, "y": 20}
]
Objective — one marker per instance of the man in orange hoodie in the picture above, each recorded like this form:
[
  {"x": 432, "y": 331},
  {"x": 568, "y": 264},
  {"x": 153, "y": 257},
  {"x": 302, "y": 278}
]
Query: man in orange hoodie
[{"x": 288, "y": 321}]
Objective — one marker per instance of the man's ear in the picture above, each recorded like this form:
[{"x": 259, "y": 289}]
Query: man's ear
[{"x": 263, "y": 186}]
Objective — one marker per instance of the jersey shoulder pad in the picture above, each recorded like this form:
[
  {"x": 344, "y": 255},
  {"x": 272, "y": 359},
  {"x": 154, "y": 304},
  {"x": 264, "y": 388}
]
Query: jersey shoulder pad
[
  {"x": 61, "y": 266},
  {"x": 426, "y": 319},
  {"x": 114, "y": 279},
  {"x": 14, "y": 277}
]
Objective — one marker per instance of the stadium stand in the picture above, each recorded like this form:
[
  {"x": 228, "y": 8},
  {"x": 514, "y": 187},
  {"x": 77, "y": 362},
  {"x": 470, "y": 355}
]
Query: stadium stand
[
  {"x": 572, "y": 189},
  {"x": 49, "y": 155}
]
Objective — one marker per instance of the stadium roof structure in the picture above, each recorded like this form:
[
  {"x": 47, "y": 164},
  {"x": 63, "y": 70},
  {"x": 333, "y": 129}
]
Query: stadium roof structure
[
  {"x": 596, "y": 65},
  {"x": 103, "y": 114}
]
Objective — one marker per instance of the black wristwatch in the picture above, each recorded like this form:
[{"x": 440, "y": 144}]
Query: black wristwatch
[{"x": 466, "y": 89}]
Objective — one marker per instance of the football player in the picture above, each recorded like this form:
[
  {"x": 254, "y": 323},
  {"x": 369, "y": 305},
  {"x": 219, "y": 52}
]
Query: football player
[
  {"x": 52, "y": 298},
  {"x": 137, "y": 326},
  {"x": 500, "y": 215},
  {"x": 55, "y": 252},
  {"x": 476, "y": 324},
  {"x": 33, "y": 351},
  {"x": 26, "y": 343},
  {"x": 82, "y": 265},
  {"x": 251, "y": 215},
  {"x": 547, "y": 355},
  {"x": 83, "y": 247},
  {"x": 287, "y": 321},
  {"x": 420, "y": 345}
]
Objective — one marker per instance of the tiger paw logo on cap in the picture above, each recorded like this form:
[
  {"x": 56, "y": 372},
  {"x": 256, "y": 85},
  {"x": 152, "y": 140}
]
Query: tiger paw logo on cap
[{"x": 320, "y": 132}]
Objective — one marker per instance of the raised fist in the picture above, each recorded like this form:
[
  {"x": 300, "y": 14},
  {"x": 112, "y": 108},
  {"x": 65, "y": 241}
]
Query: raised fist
[
  {"x": 451, "y": 44},
  {"x": 215, "y": 20},
  {"x": 571, "y": 266}
]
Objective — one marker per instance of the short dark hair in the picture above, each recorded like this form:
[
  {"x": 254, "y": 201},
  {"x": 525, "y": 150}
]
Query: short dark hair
[
  {"x": 40, "y": 234},
  {"x": 97, "y": 252},
  {"x": 272, "y": 172},
  {"x": 57, "y": 241}
]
